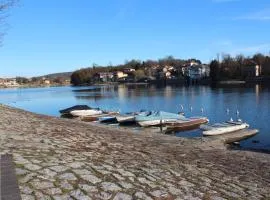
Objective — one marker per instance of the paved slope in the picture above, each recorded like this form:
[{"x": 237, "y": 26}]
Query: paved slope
[{"x": 64, "y": 159}]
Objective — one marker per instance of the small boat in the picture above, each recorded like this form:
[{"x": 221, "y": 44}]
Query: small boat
[
  {"x": 155, "y": 118},
  {"x": 92, "y": 118},
  {"x": 129, "y": 118},
  {"x": 82, "y": 113},
  {"x": 107, "y": 119},
  {"x": 155, "y": 122},
  {"x": 77, "y": 107},
  {"x": 184, "y": 125},
  {"x": 222, "y": 128},
  {"x": 125, "y": 119}
]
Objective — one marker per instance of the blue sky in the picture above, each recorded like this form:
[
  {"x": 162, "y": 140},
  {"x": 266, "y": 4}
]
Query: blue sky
[{"x": 48, "y": 36}]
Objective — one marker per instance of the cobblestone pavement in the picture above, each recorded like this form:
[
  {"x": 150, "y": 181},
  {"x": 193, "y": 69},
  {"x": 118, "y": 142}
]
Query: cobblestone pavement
[{"x": 64, "y": 159}]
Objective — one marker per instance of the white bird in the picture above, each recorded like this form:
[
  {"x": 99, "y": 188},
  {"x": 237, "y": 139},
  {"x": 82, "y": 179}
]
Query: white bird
[
  {"x": 227, "y": 110},
  {"x": 231, "y": 120},
  {"x": 202, "y": 110},
  {"x": 191, "y": 108},
  {"x": 237, "y": 113}
]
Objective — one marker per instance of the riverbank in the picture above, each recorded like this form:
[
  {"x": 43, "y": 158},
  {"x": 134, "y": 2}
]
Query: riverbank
[{"x": 60, "y": 158}]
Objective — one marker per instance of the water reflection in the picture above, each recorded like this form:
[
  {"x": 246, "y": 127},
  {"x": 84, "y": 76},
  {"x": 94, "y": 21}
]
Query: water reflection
[{"x": 257, "y": 88}]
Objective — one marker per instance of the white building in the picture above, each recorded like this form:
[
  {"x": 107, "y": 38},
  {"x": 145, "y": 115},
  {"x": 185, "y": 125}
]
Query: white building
[
  {"x": 120, "y": 74},
  {"x": 197, "y": 72},
  {"x": 9, "y": 82}
]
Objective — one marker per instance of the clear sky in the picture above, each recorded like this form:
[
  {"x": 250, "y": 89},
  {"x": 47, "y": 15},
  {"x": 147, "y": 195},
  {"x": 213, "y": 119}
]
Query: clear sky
[{"x": 47, "y": 36}]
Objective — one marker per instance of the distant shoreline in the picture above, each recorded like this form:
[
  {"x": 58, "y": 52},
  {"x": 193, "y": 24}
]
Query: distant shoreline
[
  {"x": 34, "y": 86},
  {"x": 159, "y": 82}
]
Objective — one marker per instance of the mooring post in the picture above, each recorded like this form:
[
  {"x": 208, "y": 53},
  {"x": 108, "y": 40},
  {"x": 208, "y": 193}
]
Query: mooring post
[{"x": 161, "y": 125}]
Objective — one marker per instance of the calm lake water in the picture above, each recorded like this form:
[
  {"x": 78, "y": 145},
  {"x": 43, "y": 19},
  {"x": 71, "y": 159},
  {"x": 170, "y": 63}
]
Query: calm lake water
[{"x": 252, "y": 102}]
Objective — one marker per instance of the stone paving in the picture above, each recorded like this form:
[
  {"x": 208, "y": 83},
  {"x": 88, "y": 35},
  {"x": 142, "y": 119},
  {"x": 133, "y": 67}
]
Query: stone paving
[
  {"x": 64, "y": 159},
  {"x": 9, "y": 189}
]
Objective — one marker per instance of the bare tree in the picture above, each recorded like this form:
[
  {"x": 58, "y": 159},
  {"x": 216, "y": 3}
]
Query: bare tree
[{"x": 5, "y": 5}]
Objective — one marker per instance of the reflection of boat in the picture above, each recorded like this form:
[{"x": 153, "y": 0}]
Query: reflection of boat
[
  {"x": 82, "y": 113},
  {"x": 187, "y": 124},
  {"x": 157, "y": 117},
  {"x": 222, "y": 128},
  {"x": 77, "y": 107}
]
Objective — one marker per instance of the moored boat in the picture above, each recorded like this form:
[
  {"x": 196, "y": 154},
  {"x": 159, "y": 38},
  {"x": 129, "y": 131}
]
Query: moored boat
[
  {"x": 107, "y": 119},
  {"x": 67, "y": 112},
  {"x": 129, "y": 118},
  {"x": 92, "y": 118},
  {"x": 222, "y": 128},
  {"x": 124, "y": 119},
  {"x": 155, "y": 118},
  {"x": 184, "y": 125},
  {"x": 82, "y": 113}
]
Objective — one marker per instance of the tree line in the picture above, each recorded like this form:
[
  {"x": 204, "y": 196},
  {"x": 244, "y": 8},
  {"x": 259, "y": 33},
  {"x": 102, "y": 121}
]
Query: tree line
[{"x": 234, "y": 67}]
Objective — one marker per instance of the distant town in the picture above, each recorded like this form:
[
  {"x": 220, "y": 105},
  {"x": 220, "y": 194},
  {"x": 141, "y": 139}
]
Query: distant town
[
  {"x": 173, "y": 70},
  {"x": 42, "y": 81},
  {"x": 167, "y": 70}
]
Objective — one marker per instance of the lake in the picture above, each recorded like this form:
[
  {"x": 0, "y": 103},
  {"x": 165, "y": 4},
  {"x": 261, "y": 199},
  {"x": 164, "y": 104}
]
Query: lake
[{"x": 252, "y": 102}]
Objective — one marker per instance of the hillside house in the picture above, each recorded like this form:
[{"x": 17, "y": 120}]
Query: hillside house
[
  {"x": 197, "y": 72},
  {"x": 2, "y": 81},
  {"x": 251, "y": 69},
  {"x": 46, "y": 81},
  {"x": 129, "y": 70},
  {"x": 104, "y": 77},
  {"x": 119, "y": 75},
  {"x": 9, "y": 82},
  {"x": 166, "y": 72}
]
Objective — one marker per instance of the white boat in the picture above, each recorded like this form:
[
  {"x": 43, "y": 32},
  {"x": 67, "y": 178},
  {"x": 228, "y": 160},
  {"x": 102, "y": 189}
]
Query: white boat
[
  {"x": 222, "y": 128},
  {"x": 130, "y": 118},
  {"x": 82, "y": 113},
  {"x": 155, "y": 122},
  {"x": 155, "y": 118},
  {"x": 125, "y": 119}
]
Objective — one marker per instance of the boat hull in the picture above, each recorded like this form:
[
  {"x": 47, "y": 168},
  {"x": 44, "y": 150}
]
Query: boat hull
[
  {"x": 82, "y": 113},
  {"x": 125, "y": 119},
  {"x": 107, "y": 119},
  {"x": 186, "y": 125},
  {"x": 70, "y": 109},
  {"x": 92, "y": 118},
  {"x": 157, "y": 122},
  {"x": 224, "y": 130}
]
